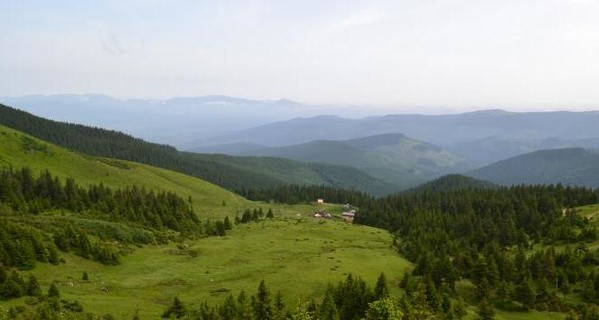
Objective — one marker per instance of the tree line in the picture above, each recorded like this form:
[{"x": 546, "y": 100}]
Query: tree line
[
  {"x": 21, "y": 191},
  {"x": 350, "y": 299}
]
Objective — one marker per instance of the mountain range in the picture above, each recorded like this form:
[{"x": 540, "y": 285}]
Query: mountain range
[
  {"x": 378, "y": 154},
  {"x": 173, "y": 121},
  {"x": 480, "y": 137},
  {"x": 393, "y": 158}
]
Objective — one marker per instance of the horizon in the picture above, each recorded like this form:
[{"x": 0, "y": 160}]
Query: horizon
[
  {"x": 343, "y": 111},
  {"x": 454, "y": 55}
]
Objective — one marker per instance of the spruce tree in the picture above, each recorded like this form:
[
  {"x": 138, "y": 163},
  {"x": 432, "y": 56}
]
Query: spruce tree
[
  {"x": 12, "y": 288},
  {"x": 485, "y": 310},
  {"x": 381, "y": 290},
  {"x": 53, "y": 291},
  {"x": 261, "y": 303},
  {"x": 33, "y": 287},
  {"x": 279, "y": 307},
  {"x": 177, "y": 309}
]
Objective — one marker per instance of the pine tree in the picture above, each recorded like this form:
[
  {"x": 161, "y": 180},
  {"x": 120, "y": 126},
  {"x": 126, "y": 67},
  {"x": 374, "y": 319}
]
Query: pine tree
[
  {"x": 13, "y": 287},
  {"x": 53, "y": 255},
  {"x": 485, "y": 310},
  {"x": 328, "y": 309},
  {"x": 525, "y": 295},
  {"x": 261, "y": 303},
  {"x": 381, "y": 290},
  {"x": 279, "y": 307},
  {"x": 177, "y": 309},
  {"x": 33, "y": 287},
  {"x": 228, "y": 310},
  {"x": 244, "y": 310},
  {"x": 53, "y": 291}
]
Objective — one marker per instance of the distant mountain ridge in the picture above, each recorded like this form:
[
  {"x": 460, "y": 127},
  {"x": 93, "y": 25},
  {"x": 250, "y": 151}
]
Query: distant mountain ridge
[
  {"x": 470, "y": 135},
  {"x": 172, "y": 121},
  {"x": 208, "y": 122},
  {"x": 569, "y": 166},
  {"x": 393, "y": 158}
]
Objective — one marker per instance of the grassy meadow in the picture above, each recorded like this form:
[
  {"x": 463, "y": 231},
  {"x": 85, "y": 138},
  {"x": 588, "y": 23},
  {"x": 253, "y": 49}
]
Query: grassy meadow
[{"x": 298, "y": 255}]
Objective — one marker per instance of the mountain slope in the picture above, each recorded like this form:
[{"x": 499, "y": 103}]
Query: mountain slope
[
  {"x": 21, "y": 150},
  {"x": 229, "y": 172},
  {"x": 570, "y": 166},
  {"x": 393, "y": 158},
  {"x": 491, "y": 149}
]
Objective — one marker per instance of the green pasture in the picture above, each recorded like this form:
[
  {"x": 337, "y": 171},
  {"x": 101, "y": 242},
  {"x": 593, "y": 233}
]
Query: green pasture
[{"x": 298, "y": 255}]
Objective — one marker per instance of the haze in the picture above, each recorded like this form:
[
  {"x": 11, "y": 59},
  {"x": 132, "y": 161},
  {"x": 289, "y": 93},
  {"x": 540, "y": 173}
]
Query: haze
[{"x": 398, "y": 55}]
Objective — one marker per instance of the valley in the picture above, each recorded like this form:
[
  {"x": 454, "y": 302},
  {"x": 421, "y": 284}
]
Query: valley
[{"x": 453, "y": 247}]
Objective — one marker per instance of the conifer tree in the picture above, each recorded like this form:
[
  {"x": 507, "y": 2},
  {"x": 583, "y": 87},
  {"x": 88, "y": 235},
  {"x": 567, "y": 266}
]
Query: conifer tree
[
  {"x": 53, "y": 291},
  {"x": 279, "y": 307},
  {"x": 381, "y": 290},
  {"x": 244, "y": 309},
  {"x": 261, "y": 303},
  {"x": 13, "y": 286},
  {"x": 177, "y": 309},
  {"x": 33, "y": 288},
  {"x": 485, "y": 310}
]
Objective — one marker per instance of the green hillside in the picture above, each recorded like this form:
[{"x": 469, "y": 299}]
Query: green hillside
[
  {"x": 299, "y": 256},
  {"x": 229, "y": 172},
  {"x": 294, "y": 252},
  {"x": 19, "y": 150},
  {"x": 393, "y": 158},
  {"x": 285, "y": 171},
  {"x": 570, "y": 166}
]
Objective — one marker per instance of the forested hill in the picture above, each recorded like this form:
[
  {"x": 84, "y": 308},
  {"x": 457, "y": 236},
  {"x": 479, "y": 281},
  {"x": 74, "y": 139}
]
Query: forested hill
[
  {"x": 452, "y": 182},
  {"x": 570, "y": 166},
  {"x": 484, "y": 235},
  {"x": 232, "y": 173}
]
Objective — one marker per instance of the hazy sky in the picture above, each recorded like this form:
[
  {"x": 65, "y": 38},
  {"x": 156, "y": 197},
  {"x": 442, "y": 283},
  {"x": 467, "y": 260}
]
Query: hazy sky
[{"x": 512, "y": 54}]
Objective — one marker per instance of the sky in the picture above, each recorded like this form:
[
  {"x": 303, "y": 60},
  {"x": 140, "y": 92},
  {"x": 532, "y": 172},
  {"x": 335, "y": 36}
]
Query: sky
[{"x": 444, "y": 54}]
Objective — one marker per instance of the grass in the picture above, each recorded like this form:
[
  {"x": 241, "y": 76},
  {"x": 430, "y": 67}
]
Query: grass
[
  {"x": 298, "y": 255},
  {"x": 591, "y": 212},
  {"x": 19, "y": 150}
]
